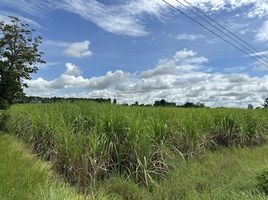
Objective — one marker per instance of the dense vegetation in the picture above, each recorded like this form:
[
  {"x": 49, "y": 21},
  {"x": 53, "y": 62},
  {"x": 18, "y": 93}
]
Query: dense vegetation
[
  {"x": 19, "y": 56},
  {"x": 24, "y": 177},
  {"x": 88, "y": 142},
  {"x": 162, "y": 103}
]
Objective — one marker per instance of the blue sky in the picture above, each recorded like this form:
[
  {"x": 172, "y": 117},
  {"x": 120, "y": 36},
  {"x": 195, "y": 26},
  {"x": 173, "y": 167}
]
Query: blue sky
[{"x": 143, "y": 50}]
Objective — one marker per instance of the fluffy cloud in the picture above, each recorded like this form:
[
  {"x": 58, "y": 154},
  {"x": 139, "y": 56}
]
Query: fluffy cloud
[
  {"x": 189, "y": 58},
  {"x": 184, "y": 60},
  {"x": 70, "y": 49},
  {"x": 184, "y": 54},
  {"x": 72, "y": 70},
  {"x": 72, "y": 78},
  {"x": 263, "y": 33},
  {"x": 78, "y": 49},
  {"x": 178, "y": 78},
  {"x": 114, "y": 80}
]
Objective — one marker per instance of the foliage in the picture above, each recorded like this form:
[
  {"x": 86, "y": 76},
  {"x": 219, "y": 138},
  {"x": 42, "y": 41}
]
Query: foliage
[
  {"x": 265, "y": 103},
  {"x": 88, "y": 142},
  {"x": 19, "y": 55},
  {"x": 163, "y": 102},
  {"x": 226, "y": 174},
  {"x": 4, "y": 116},
  {"x": 4, "y": 105},
  {"x": 262, "y": 181},
  {"x": 36, "y": 99},
  {"x": 24, "y": 177},
  {"x": 250, "y": 107}
]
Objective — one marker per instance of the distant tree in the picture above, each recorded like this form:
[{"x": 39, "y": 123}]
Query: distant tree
[
  {"x": 19, "y": 55},
  {"x": 162, "y": 102},
  {"x": 265, "y": 104},
  {"x": 250, "y": 107},
  {"x": 136, "y": 103},
  {"x": 114, "y": 101},
  {"x": 189, "y": 105}
]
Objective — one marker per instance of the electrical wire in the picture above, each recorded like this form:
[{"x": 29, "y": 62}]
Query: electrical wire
[{"x": 213, "y": 32}]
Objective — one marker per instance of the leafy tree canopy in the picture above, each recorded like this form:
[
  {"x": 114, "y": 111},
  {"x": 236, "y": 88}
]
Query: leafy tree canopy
[{"x": 19, "y": 55}]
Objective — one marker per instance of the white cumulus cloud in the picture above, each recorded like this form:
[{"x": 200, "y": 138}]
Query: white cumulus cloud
[
  {"x": 72, "y": 69},
  {"x": 78, "y": 49},
  {"x": 180, "y": 78}
]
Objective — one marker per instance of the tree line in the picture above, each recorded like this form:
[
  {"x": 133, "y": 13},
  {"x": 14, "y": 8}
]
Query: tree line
[
  {"x": 161, "y": 103},
  {"x": 36, "y": 99}
]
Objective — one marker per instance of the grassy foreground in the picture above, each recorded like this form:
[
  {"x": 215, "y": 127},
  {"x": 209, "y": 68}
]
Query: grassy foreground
[
  {"x": 24, "y": 177},
  {"x": 228, "y": 174}
]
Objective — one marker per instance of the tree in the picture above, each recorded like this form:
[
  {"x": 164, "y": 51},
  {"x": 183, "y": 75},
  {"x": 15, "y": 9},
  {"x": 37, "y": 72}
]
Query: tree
[
  {"x": 114, "y": 101},
  {"x": 162, "y": 102},
  {"x": 189, "y": 105},
  {"x": 265, "y": 104},
  {"x": 19, "y": 55},
  {"x": 250, "y": 107}
]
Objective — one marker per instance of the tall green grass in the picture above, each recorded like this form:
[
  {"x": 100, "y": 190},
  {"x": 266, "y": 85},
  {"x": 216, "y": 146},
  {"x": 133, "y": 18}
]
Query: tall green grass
[
  {"x": 88, "y": 142},
  {"x": 24, "y": 177}
]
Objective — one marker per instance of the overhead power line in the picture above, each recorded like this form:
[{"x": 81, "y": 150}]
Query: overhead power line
[
  {"x": 232, "y": 35},
  {"x": 213, "y": 32}
]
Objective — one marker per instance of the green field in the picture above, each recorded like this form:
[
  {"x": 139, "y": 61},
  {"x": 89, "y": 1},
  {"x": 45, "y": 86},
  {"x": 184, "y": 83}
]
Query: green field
[{"x": 146, "y": 152}]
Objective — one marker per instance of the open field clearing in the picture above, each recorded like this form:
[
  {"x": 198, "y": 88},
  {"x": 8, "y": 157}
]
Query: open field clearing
[{"x": 90, "y": 142}]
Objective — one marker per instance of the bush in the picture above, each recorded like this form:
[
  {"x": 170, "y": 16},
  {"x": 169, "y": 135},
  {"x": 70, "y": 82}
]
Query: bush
[
  {"x": 3, "y": 120},
  {"x": 262, "y": 181},
  {"x": 4, "y": 105}
]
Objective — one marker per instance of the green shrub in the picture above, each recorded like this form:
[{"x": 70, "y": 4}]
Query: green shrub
[{"x": 4, "y": 105}]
